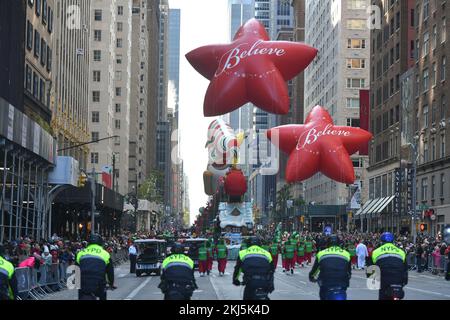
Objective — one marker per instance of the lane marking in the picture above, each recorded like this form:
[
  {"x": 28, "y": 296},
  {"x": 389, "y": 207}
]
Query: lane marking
[
  {"x": 219, "y": 294},
  {"x": 136, "y": 291},
  {"x": 429, "y": 292}
]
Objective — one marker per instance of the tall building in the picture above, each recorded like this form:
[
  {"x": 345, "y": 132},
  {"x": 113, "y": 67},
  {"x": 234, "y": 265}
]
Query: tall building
[
  {"x": 110, "y": 88},
  {"x": 392, "y": 54},
  {"x": 70, "y": 93},
  {"x": 339, "y": 31},
  {"x": 139, "y": 97},
  {"x": 38, "y": 59},
  {"x": 153, "y": 14},
  {"x": 165, "y": 122},
  {"x": 173, "y": 65},
  {"x": 433, "y": 113},
  {"x": 27, "y": 146}
]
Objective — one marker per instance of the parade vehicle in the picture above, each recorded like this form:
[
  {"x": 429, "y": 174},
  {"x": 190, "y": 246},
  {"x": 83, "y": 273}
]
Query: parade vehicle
[
  {"x": 151, "y": 253},
  {"x": 193, "y": 245}
]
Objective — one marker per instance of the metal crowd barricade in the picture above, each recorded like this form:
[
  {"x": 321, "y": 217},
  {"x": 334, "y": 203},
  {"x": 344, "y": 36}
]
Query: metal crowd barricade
[
  {"x": 23, "y": 282},
  {"x": 411, "y": 261},
  {"x": 33, "y": 283}
]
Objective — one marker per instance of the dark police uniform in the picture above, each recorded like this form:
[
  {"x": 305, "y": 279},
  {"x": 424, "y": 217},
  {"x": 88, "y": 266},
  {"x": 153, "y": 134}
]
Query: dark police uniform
[
  {"x": 94, "y": 263},
  {"x": 8, "y": 281},
  {"x": 335, "y": 270},
  {"x": 256, "y": 264},
  {"x": 177, "y": 278},
  {"x": 393, "y": 266}
]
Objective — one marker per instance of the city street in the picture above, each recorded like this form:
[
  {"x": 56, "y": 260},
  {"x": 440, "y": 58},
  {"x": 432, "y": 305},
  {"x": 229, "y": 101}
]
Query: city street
[{"x": 424, "y": 286}]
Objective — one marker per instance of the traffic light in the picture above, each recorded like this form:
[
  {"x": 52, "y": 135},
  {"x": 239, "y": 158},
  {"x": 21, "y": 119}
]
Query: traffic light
[
  {"x": 82, "y": 179},
  {"x": 423, "y": 227}
]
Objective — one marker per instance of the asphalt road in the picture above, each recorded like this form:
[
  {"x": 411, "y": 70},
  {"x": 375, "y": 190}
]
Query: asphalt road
[{"x": 423, "y": 286}]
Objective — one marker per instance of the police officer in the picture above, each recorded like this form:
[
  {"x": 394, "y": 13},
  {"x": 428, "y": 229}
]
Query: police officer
[
  {"x": 8, "y": 280},
  {"x": 256, "y": 264},
  {"x": 95, "y": 263},
  {"x": 393, "y": 267},
  {"x": 177, "y": 278},
  {"x": 334, "y": 268}
]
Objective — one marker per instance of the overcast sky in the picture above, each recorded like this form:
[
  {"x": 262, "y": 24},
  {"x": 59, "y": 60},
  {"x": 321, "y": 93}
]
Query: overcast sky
[{"x": 203, "y": 22}]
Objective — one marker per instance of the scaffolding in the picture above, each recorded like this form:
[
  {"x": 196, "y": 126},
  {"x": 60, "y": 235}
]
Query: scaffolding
[{"x": 24, "y": 198}]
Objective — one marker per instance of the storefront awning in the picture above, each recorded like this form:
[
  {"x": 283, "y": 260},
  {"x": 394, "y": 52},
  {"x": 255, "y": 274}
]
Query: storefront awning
[
  {"x": 376, "y": 206},
  {"x": 364, "y": 207}
]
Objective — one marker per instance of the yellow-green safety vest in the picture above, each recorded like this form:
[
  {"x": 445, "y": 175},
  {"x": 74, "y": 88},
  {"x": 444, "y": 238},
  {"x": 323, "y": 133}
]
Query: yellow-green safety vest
[
  {"x": 335, "y": 251},
  {"x": 177, "y": 260},
  {"x": 388, "y": 250},
  {"x": 254, "y": 251},
  {"x": 7, "y": 268},
  {"x": 94, "y": 250}
]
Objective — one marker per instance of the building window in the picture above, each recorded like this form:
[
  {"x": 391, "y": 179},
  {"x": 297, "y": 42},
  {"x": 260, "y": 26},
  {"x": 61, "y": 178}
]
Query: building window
[
  {"x": 433, "y": 186},
  {"x": 426, "y": 78},
  {"x": 425, "y": 152},
  {"x": 355, "y": 83},
  {"x": 94, "y": 136},
  {"x": 95, "y": 116},
  {"x": 38, "y": 7},
  {"x": 118, "y": 91},
  {"x": 119, "y": 26},
  {"x": 118, "y": 75},
  {"x": 433, "y": 149},
  {"x": 119, "y": 43},
  {"x": 43, "y": 52},
  {"x": 443, "y": 66},
  {"x": 37, "y": 43},
  {"x": 141, "y": 114},
  {"x": 356, "y": 4},
  {"x": 42, "y": 91},
  {"x": 424, "y": 189},
  {"x": 29, "y": 35},
  {"x": 356, "y": 44},
  {"x": 433, "y": 74},
  {"x": 94, "y": 157},
  {"x": 98, "y": 15},
  {"x": 353, "y": 122},
  {"x": 356, "y": 63},
  {"x": 356, "y": 24},
  {"x": 35, "y": 84},
  {"x": 28, "y": 77},
  {"x": 118, "y": 107},
  {"x": 443, "y": 30},
  {"x": 117, "y": 123},
  {"x": 426, "y": 44},
  {"x": 50, "y": 20},
  {"x": 443, "y": 106},
  {"x": 442, "y": 153},
  {"x": 426, "y": 9},
  {"x": 119, "y": 59},
  {"x": 49, "y": 59},
  {"x": 442, "y": 182},
  {"x": 425, "y": 116},
  {"x": 141, "y": 126},
  {"x": 95, "y": 96},
  {"x": 96, "y": 76},
  {"x": 97, "y": 55},
  {"x": 117, "y": 141},
  {"x": 434, "y": 40},
  {"x": 97, "y": 35},
  {"x": 120, "y": 10}
]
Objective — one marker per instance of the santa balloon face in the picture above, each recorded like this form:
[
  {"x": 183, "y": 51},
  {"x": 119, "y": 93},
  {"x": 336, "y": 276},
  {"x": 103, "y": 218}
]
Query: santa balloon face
[
  {"x": 250, "y": 69},
  {"x": 319, "y": 146}
]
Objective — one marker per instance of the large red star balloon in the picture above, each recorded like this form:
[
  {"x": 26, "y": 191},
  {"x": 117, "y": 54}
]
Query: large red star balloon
[
  {"x": 250, "y": 69},
  {"x": 319, "y": 146}
]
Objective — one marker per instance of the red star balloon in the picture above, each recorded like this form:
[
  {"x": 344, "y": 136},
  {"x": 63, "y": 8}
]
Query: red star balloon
[
  {"x": 250, "y": 69},
  {"x": 319, "y": 146}
]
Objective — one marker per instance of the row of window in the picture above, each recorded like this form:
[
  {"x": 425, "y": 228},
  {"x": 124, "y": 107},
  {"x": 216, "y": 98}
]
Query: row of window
[
  {"x": 34, "y": 84},
  {"x": 434, "y": 113},
  {"x": 387, "y": 119},
  {"x": 47, "y": 12},
  {"x": 424, "y": 188},
  {"x": 383, "y": 93},
  {"x": 431, "y": 79},
  {"x": 41, "y": 49}
]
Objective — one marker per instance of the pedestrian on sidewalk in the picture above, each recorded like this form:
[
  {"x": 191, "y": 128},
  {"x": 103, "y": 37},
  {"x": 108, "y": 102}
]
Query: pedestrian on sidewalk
[{"x": 132, "y": 253}]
